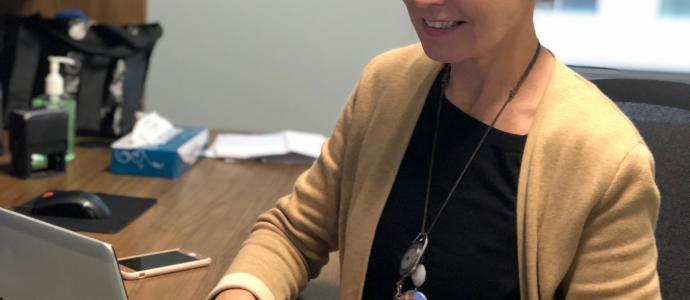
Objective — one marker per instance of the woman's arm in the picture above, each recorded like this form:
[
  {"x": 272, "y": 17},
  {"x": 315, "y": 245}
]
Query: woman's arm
[
  {"x": 290, "y": 243},
  {"x": 617, "y": 256},
  {"x": 235, "y": 294}
]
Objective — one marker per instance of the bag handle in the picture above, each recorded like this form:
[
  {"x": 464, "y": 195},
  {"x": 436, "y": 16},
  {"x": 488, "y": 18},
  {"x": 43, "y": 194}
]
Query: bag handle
[
  {"x": 21, "y": 80},
  {"x": 106, "y": 40}
]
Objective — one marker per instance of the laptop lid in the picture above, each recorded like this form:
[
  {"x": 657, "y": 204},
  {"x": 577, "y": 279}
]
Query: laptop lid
[{"x": 42, "y": 261}]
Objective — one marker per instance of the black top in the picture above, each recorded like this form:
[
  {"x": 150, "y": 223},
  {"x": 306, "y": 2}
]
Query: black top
[{"x": 472, "y": 252}]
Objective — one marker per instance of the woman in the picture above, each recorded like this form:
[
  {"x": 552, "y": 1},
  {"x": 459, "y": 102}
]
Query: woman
[{"x": 474, "y": 166}]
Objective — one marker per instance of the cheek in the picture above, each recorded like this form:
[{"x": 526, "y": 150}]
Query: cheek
[
  {"x": 498, "y": 18},
  {"x": 409, "y": 5},
  {"x": 414, "y": 14}
]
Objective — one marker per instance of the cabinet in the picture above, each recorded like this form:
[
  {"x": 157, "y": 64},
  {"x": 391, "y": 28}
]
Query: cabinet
[{"x": 117, "y": 12}]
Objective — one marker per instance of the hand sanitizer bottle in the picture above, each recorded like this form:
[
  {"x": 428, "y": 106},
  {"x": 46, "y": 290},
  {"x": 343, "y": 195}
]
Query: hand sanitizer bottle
[{"x": 55, "y": 97}]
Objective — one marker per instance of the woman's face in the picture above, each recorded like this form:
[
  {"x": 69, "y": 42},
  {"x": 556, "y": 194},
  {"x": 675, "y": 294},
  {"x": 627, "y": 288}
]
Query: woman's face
[{"x": 454, "y": 30}]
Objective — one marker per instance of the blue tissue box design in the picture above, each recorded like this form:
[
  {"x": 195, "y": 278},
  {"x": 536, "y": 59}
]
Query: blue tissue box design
[{"x": 169, "y": 160}]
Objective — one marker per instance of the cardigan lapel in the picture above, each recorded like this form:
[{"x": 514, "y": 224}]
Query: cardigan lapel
[
  {"x": 530, "y": 192},
  {"x": 384, "y": 147}
]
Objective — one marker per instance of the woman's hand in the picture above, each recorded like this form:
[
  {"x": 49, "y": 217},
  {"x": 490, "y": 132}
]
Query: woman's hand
[{"x": 235, "y": 294}]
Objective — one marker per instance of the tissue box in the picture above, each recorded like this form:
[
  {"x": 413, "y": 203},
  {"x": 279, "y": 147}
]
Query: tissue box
[{"x": 168, "y": 159}]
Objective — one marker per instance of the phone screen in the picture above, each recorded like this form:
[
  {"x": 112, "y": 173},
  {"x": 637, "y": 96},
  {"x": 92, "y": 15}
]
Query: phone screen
[{"x": 156, "y": 260}]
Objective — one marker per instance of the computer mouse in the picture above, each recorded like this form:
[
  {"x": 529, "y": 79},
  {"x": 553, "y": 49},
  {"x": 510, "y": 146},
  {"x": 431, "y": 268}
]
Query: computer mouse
[{"x": 70, "y": 204}]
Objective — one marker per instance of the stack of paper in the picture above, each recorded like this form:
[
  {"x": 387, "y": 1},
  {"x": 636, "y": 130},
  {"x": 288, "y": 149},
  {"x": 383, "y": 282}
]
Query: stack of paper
[{"x": 283, "y": 147}]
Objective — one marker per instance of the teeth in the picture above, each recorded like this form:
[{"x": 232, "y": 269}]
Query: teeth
[{"x": 441, "y": 24}]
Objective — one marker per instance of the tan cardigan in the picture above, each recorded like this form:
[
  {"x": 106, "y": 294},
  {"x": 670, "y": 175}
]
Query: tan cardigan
[{"x": 586, "y": 207}]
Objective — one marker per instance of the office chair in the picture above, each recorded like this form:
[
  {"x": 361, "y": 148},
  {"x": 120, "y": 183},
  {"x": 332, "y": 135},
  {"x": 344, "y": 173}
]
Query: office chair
[{"x": 661, "y": 112}]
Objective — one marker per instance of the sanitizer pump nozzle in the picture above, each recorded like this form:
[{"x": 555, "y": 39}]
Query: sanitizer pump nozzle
[
  {"x": 55, "y": 85},
  {"x": 55, "y": 98}
]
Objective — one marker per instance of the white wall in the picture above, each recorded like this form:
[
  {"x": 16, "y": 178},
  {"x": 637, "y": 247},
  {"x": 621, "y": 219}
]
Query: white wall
[
  {"x": 629, "y": 34},
  {"x": 266, "y": 65}
]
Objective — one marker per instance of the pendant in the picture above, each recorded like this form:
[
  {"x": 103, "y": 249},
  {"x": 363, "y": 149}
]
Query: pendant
[
  {"x": 410, "y": 266},
  {"x": 413, "y": 255},
  {"x": 418, "y": 276},
  {"x": 414, "y": 295}
]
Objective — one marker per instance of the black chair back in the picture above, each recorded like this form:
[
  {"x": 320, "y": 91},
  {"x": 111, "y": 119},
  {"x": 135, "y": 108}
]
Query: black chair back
[{"x": 661, "y": 112}]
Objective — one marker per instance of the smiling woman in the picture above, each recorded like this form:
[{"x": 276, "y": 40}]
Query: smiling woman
[
  {"x": 474, "y": 165},
  {"x": 468, "y": 29}
]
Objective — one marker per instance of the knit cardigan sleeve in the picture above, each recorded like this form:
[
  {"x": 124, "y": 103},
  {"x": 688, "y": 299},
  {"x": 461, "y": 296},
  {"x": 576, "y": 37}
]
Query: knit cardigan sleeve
[
  {"x": 617, "y": 255},
  {"x": 290, "y": 243}
]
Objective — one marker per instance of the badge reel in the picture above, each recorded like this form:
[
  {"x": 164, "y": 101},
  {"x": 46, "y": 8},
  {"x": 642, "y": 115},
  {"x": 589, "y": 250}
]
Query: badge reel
[{"x": 411, "y": 266}]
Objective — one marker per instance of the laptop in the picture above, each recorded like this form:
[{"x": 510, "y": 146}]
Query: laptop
[{"x": 42, "y": 261}]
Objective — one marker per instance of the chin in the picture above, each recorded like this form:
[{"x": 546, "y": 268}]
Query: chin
[
  {"x": 450, "y": 50},
  {"x": 445, "y": 53}
]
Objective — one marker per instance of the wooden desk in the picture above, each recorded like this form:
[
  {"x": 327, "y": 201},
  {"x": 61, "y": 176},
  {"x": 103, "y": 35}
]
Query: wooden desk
[{"x": 210, "y": 210}]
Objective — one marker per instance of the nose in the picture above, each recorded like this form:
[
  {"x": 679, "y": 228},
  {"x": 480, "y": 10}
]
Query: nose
[{"x": 427, "y": 3}]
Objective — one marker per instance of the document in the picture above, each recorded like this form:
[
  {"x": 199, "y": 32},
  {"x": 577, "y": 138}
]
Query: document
[{"x": 282, "y": 147}]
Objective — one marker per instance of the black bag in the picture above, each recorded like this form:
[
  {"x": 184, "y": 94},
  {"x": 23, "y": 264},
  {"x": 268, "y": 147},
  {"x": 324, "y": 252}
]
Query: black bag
[{"x": 107, "y": 80}]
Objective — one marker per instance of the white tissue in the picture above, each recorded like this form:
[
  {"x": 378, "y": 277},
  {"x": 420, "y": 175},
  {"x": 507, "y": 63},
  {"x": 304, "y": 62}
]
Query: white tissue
[{"x": 150, "y": 130}]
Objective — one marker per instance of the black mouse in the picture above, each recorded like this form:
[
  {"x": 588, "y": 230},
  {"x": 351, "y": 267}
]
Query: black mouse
[{"x": 70, "y": 204}]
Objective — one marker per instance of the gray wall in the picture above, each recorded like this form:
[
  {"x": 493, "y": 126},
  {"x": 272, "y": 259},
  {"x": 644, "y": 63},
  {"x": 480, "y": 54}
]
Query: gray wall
[{"x": 266, "y": 65}]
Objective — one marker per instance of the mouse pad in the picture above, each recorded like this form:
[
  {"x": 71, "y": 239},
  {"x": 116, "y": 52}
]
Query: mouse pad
[{"x": 123, "y": 210}]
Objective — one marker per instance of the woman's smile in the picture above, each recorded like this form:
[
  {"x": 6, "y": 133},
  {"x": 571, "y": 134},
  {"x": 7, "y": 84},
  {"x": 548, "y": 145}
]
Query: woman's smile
[{"x": 436, "y": 28}]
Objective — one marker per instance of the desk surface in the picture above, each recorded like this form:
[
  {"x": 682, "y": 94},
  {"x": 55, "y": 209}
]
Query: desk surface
[{"x": 210, "y": 210}]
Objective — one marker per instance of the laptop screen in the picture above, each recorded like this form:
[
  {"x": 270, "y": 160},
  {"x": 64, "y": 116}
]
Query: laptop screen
[{"x": 43, "y": 261}]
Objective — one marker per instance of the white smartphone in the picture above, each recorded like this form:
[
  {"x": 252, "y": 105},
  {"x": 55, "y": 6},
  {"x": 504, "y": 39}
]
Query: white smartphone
[{"x": 161, "y": 262}]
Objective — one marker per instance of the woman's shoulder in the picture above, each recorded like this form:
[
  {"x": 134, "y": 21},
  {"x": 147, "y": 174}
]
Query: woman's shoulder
[
  {"x": 403, "y": 56},
  {"x": 408, "y": 63},
  {"x": 393, "y": 83},
  {"x": 574, "y": 107}
]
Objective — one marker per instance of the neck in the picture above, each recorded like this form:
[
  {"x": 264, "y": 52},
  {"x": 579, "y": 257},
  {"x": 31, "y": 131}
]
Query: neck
[{"x": 485, "y": 81}]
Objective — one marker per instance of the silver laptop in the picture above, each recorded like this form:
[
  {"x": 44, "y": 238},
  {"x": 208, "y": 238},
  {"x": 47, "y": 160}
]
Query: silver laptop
[{"x": 42, "y": 261}]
